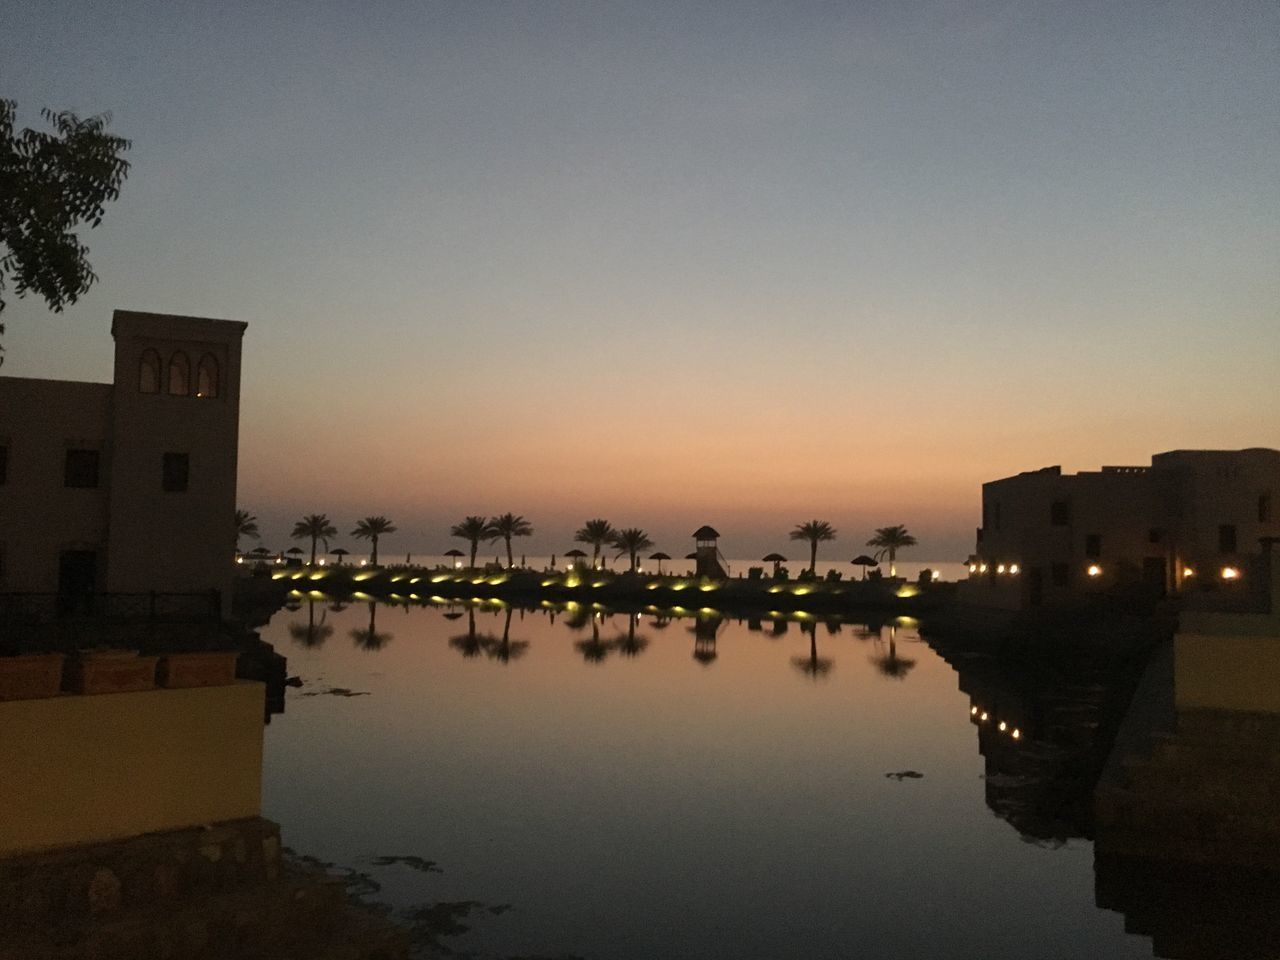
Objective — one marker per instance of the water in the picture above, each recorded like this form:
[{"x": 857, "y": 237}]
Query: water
[{"x": 628, "y": 799}]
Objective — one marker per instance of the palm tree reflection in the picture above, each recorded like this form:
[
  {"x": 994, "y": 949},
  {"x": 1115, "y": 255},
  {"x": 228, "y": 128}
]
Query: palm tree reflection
[
  {"x": 506, "y": 649},
  {"x": 594, "y": 650},
  {"x": 631, "y": 645},
  {"x": 369, "y": 638},
  {"x": 890, "y": 664},
  {"x": 311, "y": 635},
  {"x": 468, "y": 644},
  {"x": 812, "y": 665}
]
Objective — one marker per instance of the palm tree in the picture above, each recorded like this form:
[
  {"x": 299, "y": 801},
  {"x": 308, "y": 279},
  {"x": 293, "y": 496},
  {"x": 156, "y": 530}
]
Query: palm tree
[
  {"x": 631, "y": 541},
  {"x": 506, "y": 649},
  {"x": 473, "y": 530},
  {"x": 246, "y": 526},
  {"x": 598, "y": 533},
  {"x": 371, "y": 528},
  {"x": 890, "y": 540},
  {"x": 507, "y": 526},
  {"x": 317, "y": 527},
  {"x": 814, "y": 531}
]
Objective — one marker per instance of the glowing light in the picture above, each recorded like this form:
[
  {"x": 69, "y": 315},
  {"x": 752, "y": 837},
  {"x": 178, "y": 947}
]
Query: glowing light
[
  {"x": 1230, "y": 573},
  {"x": 1003, "y": 725},
  {"x": 1014, "y": 568},
  {"x": 982, "y": 568},
  {"x": 907, "y": 591},
  {"x": 1187, "y": 572},
  {"x": 1000, "y": 568},
  {"x": 1017, "y": 734},
  {"x": 239, "y": 559},
  {"x": 438, "y": 578},
  {"x": 801, "y": 591},
  {"x": 457, "y": 564},
  {"x": 364, "y": 563},
  {"x": 973, "y": 568},
  {"x": 1094, "y": 570},
  {"x": 983, "y": 716},
  {"x": 707, "y": 587},
  {"x": 321, "y": 561},
  {"x": 937, "y": 574},
  {"x": 973, "y": 711}
]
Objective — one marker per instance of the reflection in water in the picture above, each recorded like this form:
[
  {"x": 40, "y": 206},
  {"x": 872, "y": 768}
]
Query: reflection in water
[
  {"x": 311, "y": 634},
  {"x": 1044, "y": 731},
  {"x": 890, "y": 664},
  {"x": 812, "y": 665},
  {"x": 368, "y": 638},
  {"x": 705, "y": 628}
]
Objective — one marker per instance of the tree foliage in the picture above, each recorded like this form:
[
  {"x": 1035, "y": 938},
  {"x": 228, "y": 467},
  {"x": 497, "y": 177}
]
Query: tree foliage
[
  {"x": 371, "y": 528},
  {"x": 814, "y": 531},
  {"x": 596, "y": 532},
  {"x": 507, "y": 526},
  {"x": 51, "y": 183}
]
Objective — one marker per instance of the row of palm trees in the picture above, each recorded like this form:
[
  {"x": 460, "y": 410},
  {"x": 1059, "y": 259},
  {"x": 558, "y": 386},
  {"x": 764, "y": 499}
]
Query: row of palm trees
[
  {"x": 597, "y": 533},
  {"x": 888, "y": 540}
]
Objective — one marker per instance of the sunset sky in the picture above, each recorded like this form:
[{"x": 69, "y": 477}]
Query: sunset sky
[{"x": 744, "y": 264}]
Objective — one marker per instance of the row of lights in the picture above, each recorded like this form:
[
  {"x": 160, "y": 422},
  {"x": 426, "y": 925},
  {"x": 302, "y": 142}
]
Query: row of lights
[
  {"x": 1011, "y": 568},
  {"x": 1095, "y": 570},
  {"x": 983, "y": 717}
]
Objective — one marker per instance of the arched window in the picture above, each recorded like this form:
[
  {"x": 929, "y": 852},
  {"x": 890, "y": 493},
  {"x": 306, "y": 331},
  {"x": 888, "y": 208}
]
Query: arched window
[
  {"x": 207, "y": 377},
  {"x": 149, "y": 372},
  {"x": 179, "y": 375}
]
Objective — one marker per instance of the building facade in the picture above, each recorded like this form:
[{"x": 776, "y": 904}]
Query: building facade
[
  {"x": 1190, "y": 519},
  {"x": 128, "y": 486}
]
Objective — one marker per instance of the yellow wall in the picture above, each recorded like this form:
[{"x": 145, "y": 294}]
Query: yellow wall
[
  {"x": 1226, "y": 672},
  {"x": 84, "y": 769}
]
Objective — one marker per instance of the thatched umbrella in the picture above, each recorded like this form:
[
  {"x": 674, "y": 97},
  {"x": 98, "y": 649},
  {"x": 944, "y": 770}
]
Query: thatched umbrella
[
  {"x": 574, "y": 556},
  {"x": 295, "y": 552},
  {"x": 775, "y": 559},
  {"x": 863, "y": 561},
  {"x": 339, "y": 553},
  {"x": 659, "y": 556},
  {"x": 455, "y": 554}
]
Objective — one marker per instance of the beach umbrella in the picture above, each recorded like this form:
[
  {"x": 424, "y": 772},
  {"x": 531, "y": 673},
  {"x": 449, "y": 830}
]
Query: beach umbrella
[
  {"x": 339, "y": 553},
  {"x": 259, "y": 552},
  {"x": 659, "y": 556},
  {"x": 575, "y": 555},
  {"x": 775, "y": 559},
  {"x": 455, "y": 553},
  {"x": 863, "y": 561}
]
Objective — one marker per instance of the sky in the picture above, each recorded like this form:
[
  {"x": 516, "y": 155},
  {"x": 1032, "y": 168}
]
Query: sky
[{"x": 745, "y": 264}]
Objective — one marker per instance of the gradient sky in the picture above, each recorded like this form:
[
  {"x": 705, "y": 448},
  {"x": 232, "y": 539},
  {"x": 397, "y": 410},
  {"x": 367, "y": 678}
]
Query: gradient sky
[{"x": 667, "y": 263}]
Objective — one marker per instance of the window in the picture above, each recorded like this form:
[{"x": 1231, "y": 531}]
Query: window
[
  {"x": 179, "y": 375},
  {"x": 1264, "y": 504},
  {"x": 207, "y": 377},
  {"x": 1227, "y": 538},
  {"x": 1093, "y": 546},
  {"x": 1061, "y": 574},
  {"x": 80, "y": 469},
  {"x": 177, "y": 469},
  {"x": 4, "y": 464},
  {"x": 149, "y": 372},
  {"x": 1060, "y": 513}
]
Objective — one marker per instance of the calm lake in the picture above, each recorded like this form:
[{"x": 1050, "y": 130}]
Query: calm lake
[{"x": 620, "y": 786}]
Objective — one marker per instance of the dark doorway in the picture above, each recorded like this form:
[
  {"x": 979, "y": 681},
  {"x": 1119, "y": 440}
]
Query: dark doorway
[
  {"x": 1035, "y": 586},
  {"x": 77, "y": 578},
  {"x": 1155, "y": 574}
]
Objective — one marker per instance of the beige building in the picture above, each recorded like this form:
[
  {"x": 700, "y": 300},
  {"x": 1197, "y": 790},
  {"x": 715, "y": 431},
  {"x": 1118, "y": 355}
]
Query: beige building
[
  {"x": 1193, "y": 518},
  {"x": 128, "y": 486}
]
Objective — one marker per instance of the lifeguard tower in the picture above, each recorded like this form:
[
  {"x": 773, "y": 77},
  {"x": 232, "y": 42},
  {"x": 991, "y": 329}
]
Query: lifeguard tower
[{"x": 710, "y": 562}]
